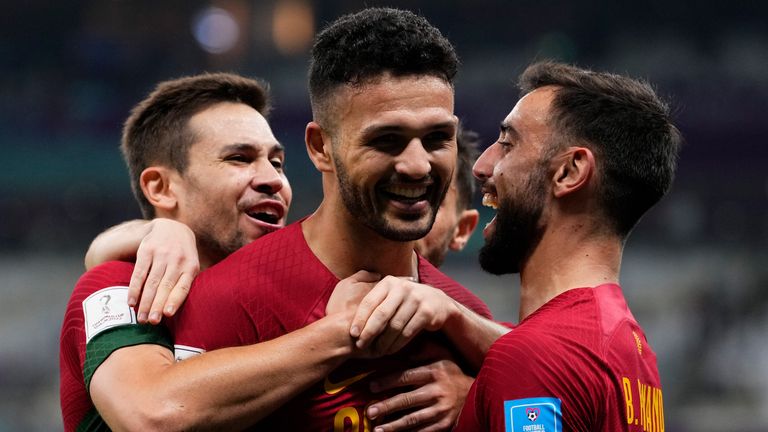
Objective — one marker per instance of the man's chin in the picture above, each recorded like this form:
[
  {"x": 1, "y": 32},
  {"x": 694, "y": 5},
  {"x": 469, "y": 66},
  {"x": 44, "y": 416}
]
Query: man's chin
[{"x": 496, "y": 262}]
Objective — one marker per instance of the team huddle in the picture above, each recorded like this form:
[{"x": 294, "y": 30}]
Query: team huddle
[{"x": 341, "y": 320}]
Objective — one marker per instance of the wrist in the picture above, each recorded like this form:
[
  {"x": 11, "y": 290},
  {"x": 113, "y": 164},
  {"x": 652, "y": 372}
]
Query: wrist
[{"x": 335, "y": 327}]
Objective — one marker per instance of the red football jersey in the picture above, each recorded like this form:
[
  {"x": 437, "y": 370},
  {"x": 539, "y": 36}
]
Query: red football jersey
[
  {"x": 97, "y": 322},
  {"x": 276, "y": 285},
  {"x": 579, "y": 363}
]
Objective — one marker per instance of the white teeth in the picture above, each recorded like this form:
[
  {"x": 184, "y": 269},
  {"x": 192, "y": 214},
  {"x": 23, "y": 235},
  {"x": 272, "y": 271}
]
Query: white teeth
[
  {"x": 490, "y": 201},
  {"x": 270, "y": 211},
  {"x": 407, "y": 192}
]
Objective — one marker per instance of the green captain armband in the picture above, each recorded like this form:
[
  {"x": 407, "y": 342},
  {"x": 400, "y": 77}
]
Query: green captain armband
[{"x": 108, "y": 341}]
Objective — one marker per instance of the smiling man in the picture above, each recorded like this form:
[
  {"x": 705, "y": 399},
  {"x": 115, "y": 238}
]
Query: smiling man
[
  {"x": 579, "y": 159},
  {"x": 383, "y": 137}
]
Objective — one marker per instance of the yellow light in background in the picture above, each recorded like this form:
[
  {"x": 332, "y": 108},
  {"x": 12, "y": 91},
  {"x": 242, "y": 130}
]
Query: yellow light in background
[{"x": 293, "y": 26}]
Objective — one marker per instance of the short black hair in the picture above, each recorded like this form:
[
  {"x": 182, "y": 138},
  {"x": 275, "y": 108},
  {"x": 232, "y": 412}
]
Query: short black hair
[
  {"x": 358, "y": 47},
  {"x": 625, "y": 123},
  {"x": 156, "y": 132}
]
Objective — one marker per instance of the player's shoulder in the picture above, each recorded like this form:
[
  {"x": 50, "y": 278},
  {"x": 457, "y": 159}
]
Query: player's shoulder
[
  {"x": 112, "y": 273},
  {"x": 110, "y": 270}
]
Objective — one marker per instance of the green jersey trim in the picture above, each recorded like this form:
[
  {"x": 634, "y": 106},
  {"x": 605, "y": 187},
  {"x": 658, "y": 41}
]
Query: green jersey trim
[{"x": 106, "y": 342}]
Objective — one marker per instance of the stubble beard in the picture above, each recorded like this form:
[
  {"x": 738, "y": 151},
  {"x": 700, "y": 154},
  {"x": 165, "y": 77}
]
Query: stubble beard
[
  {"x": 517, "y": 231},
  {"x": 365, "y": 212},
  {"x": 216, "y": 248}
]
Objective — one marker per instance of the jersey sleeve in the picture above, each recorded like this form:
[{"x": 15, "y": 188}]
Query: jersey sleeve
[{"x": 97, "y": 322}]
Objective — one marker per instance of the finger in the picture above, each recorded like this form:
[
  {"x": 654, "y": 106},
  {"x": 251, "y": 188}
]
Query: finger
[
  {"x": 148, "y": 291},
  {"x": 393, "y": 331},
  {"x": 380, "y": 317},
  {"x": 403, "y": 401},
  {"x": 411, "y": 377},
  {"x": 170, "y": 279},
  {"x": 178, "y": 295},
  {"x": 366, "y": 307},
  {"x": 423, "y": 421},
  {"x": 139, "y": 275},
  {"x": 416, "y": 324}
]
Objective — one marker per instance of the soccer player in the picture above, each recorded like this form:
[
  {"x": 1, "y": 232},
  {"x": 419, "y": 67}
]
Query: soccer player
[
  {"x": 579, "y": 159},
  {"x": 384, "y": 141}
]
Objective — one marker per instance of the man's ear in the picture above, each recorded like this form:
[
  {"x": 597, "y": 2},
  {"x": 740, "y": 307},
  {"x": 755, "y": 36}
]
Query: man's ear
[
  {"x": 157, "y": 185},
  {"x": 318, "y": 147},
  {"x": 574, "y": 171},
  {"x": 466, "y": 226}
]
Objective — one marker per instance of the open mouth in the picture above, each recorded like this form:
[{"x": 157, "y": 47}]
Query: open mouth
[
  {"x": 490, "y": 200},
  {"x": 265, "y": 216},
  {"x": 267, "y": 212}
]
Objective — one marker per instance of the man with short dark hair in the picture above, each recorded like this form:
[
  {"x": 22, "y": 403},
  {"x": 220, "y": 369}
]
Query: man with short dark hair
[
  {"x": 580, "y": 158},
  {"x": 384, "y": 141}
]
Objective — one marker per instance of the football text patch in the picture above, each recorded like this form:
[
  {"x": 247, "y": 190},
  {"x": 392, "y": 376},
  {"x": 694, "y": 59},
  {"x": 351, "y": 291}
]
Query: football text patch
[
  {"x": 107, "y": 308},
  {"x": 533, "y": 415}
]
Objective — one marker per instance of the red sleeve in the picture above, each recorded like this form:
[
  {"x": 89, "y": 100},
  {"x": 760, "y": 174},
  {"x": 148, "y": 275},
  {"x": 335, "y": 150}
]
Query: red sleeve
[{"x": 74, "y": 398}]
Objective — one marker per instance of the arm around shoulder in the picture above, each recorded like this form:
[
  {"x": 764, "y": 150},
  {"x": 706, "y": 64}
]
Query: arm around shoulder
[{"x": 143, "y": 388}]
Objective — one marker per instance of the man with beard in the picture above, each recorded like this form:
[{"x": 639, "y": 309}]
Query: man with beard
[{"x": 580, "y": 158}]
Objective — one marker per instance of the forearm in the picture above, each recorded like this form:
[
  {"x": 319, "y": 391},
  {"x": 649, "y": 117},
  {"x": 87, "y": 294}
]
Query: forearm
[
  {"x": 229, "y": 388},
  {"x": 472, "y": 334},
  {"x": 118, "y": 243}
]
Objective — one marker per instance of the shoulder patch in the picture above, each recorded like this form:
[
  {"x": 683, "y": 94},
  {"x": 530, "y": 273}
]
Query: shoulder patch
[
  {"x": 533, "y": 415},
  {"x": 105, "y": 309}
]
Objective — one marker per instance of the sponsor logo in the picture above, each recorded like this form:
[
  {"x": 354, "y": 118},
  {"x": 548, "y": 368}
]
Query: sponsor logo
[
  {"x": 105, "y": 309},
  {"x": 541, "y": 414},
  {"x": 335, "y": 387}
]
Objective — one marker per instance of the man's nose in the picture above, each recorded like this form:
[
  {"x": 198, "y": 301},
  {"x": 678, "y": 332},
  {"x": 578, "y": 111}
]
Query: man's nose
[
  {"x": 266, "y": 178},
  {"x": 414, "y": 160}
]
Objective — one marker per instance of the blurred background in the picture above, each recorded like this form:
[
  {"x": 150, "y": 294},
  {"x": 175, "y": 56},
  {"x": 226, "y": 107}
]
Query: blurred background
[{"x": 695, "y": 269}]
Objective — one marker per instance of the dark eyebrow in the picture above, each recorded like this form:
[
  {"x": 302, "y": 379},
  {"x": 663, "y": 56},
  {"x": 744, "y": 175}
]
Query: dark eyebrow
[
  {"x": 278, "y": 148},
  {"x": 506, "y": 128},
  {"x": 245, "y": 147},
  {"x": 377, "y": 129}
]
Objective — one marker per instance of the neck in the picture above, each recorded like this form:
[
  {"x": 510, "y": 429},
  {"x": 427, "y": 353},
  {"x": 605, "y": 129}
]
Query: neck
[
  {"x": 567, "y": 258},
  {"x": 346, "y": 246}
]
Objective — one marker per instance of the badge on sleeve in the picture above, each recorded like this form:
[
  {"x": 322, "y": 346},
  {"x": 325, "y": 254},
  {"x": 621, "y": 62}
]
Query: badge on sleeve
[
  {"x": 105, "y": 309},
  {"x": 533, "y": 415}
]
